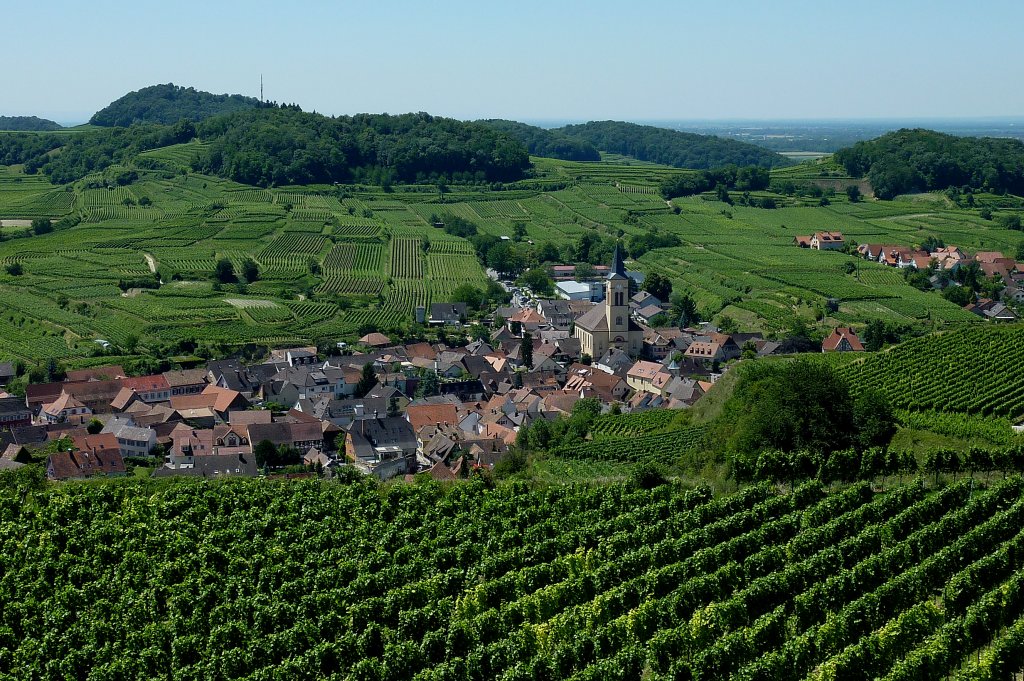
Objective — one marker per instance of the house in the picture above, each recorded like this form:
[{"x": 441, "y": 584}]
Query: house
[
  {"x": 187, "y": 444},
  {"x": 706, "y": 351},
  {"x": 420, "y": 415},
  {"x": 149, "y": 388},
  {"x": 610, "y": 325},
  {"x": 103, "y": 444},
  {"x": 300, "y": 436},
  {"x": 802, "y": 241},
  {"x": 827, "y": 241},
  {"x": 843, "y": 339},
  {"x": 218, "y": 400},
  {"x": 642, "y": 299},
  {"x": 375, "y": 340},
  {"x": 64, "y": 408},
  {"x": 642, "y": 374},
  {"x": 557, "y": 312},
  {"x": 384, "y": 447},
  {"x": 132, "y": 440},
  {"x": 447, "y": 314},
  {"x": 648, "y": 312},
  {"x": 212, "y": 466},
  {"x": 232, "y": 375},
  {"x": 84, "y": 464},
  {"x": 187, "y": 382},
  {"x": 991, "y": 309},
  {"x": 592, "y": 382},
  {"x": 14, "y": 413}
]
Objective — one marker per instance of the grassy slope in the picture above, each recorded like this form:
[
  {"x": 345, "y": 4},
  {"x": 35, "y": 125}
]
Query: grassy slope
[{"x": 743, "y": 258}]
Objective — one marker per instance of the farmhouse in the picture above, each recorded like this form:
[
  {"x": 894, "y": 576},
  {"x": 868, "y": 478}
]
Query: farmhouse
[
  {"x": 827, "y": 241},
  {"x": 610, "y": 325},
  {"x": 843, "y": 339}
]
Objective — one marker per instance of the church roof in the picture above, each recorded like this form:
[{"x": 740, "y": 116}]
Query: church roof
[{"x": 594, "y": 319}]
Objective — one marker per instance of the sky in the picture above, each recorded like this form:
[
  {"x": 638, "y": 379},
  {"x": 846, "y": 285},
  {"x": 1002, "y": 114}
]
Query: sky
[{"x": 528, "y": 60}]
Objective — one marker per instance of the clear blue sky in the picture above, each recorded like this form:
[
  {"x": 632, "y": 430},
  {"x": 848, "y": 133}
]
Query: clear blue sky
[{"x": 531, "y": 60}]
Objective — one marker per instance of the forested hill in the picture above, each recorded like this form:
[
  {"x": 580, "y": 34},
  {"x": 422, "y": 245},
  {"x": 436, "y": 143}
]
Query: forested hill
[
  {"x": 168, "y": 104},
  {"x": 285, "y": 146},
  {"x": 27, "y": 123},
  {"x": 925, "y": 160},
  {"x": 274, "y": 146},
  {"x": 671, "y": 147},
  {"x": 546, "y": 143}
]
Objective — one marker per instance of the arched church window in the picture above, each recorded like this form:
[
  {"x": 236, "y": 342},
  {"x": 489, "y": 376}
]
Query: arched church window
[{"x": 618, "y": 321}]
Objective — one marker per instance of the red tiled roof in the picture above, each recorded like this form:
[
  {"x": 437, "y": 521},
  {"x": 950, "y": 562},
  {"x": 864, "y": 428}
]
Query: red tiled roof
[{"x": 429, "y": 414}]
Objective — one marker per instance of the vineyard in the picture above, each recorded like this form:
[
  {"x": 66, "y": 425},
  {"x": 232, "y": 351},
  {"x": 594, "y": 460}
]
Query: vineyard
[
  {"x": 919, "y": 374},
  {"x": 372, "y": 256},
  {"x": 233, "y": 580}
]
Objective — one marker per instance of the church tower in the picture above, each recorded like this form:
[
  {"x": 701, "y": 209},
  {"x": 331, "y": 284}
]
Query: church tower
[{"x": 616, "y": 298}]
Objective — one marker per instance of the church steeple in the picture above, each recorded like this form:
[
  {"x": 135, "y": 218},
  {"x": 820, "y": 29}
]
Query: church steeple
[
  {"x": 616, "y": 299},
  {"x": 618, "y": 266}
]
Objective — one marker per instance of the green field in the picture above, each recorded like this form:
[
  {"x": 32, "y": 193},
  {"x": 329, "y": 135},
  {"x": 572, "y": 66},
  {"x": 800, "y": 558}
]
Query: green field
[
  {"x": 368, "y": 245},
  {"x": 306, "y": 580}
]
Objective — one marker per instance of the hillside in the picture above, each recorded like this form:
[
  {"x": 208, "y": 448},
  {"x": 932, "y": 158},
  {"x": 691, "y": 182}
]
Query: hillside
[
  {"x": 923, "y": 160},
  {"x": 546, "y": 143},
  {"x": 670, "y": 147},
  {"x": 168, "y": 104},
  {"x": 334, "y": 260},
  {"x": 28, "y": 123},
  {"x": 917, "y": 374},
  {"x": 245, "y": 579}
]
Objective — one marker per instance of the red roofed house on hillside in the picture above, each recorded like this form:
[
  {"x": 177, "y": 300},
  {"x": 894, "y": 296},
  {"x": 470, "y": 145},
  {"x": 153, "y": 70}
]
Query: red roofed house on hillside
[
  {"x": 843, "y": 339},
  {"x": 827, "y": 241}
]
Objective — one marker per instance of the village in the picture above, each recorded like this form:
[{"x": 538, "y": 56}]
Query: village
[
  {"x": 384, "y": 408},
  {"x": 392, "y": 409}
]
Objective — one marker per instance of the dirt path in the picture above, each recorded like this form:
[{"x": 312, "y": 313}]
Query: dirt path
[{"x": 151, "y": 261}]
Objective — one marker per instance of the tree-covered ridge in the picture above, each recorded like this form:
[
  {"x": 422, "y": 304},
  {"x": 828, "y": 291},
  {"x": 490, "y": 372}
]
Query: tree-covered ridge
[
  {"x": 28, "y": 123},
  {"x": 671, "y": 147},
  {"x": 168, "y": 104},
  {"x": 925, "y": 160},
  {"x": 285, "y": 146},
  {"x": 546, "y": 143}
]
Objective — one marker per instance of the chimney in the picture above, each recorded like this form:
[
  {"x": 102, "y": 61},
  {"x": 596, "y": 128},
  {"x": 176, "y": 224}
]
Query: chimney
[{"x": 359, "y": 409}]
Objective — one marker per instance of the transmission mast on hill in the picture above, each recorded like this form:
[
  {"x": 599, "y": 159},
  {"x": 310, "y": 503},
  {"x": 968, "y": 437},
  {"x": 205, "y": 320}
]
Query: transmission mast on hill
[{"x": 261, "y": 89}]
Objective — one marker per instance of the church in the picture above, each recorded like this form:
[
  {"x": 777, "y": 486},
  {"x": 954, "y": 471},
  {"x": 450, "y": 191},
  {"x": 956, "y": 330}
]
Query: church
[{"x": 609, "y": 325}]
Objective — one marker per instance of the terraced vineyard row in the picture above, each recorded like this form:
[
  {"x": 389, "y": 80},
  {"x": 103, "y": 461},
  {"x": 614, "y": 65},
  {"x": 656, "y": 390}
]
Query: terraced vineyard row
[
  {"x": 406, "y": 258},
  {"x": 474, "y": 582},
  {"x": 915, "y": 375}
]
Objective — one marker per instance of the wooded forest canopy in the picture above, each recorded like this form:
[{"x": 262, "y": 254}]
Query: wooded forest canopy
[
  {"x": 27, "y": 123},
  {"x": 925, "y": 160},
  {"x": 671, "y": 147},
  {"x": 546, "y": 143},
  {"x": 168, "y": 104},
  {"x": 283, "y": 146}
]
